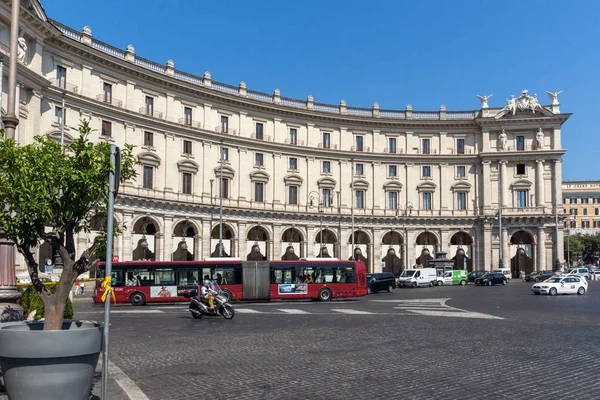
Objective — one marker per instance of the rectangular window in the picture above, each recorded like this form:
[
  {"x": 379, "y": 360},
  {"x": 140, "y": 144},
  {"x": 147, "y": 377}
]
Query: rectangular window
[
  {"x": 460, "y": 171},
  {"x": 259, "y": 131},
  {"x": 149, "y": 105},
  {"x": 58, "y": 115},
  {"x": 187, "y": 147},
  {"x": 392, "y": 170},
  {"x": 520, "y": 143},
  {"x": 392, "y": 145},
  {"x": 566, "y": 201},
  {"x": 393, "y": 200},
  {"x": 326, "y": 140},
  {"x": 460, "y": 146},
  {"x": 187, "y": 183},
  {"x": 521, "y": 198},
  {"x": 426, "y": 171},
  {"x": 426, "y": 200},
  {"x": 573, "y": 224},
  {"x": 359, "y": 169},
  {"x": 425, "y": 146},
  {"x": 61, "y": 77},
  {"x": 585, "y": 211},
  {"x": 148, "y": 139},
  {"x": 225, "y": 155},
  {"x": 259, "y": 159},
  {"x": 225, "y": 188},
  {"x": 259, "y": 192},
  {"x": 596, "y": 211},
  {"x": 293, "y": 163},
  {"x": 326, "y": 197},
  {"x": 148, "y": 177},
  {"x": 106, "y": 128},
  {"x": 585, "y": 224},
  {"x": 596, "y": 224},
  {"x": 224, "y": 124},
  {"x": 573, "y": 211},
  {"x": 293, "y": 194},
  {"x": 359, "y": 199},
  {"x": 326, "y": 169},
  {"x": 596, "y": 200},
  {"x": 107, "y": 92},
  {"x": 187, "y": 115},
  {"x": 359, "y": 140},
  {"x": 293, "y": 136},
  {"x": 585, "y": 200},
  {"x": 520, "y": 169},
  {"x": 461, "y": 201}
]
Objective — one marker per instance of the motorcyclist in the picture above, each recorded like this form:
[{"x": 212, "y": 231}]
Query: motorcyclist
[{"x": 208, "y": 295}]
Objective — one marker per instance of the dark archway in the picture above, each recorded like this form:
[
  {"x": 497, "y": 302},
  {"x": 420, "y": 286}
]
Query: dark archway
[
  {"x": 461, "y": 244},
  {"x": 144, "y": 240},
  {"x": 259, "y": 238},
  {"x": 291, "y": 243},
  {"x": 325, "y": 241},
  {"x": 391, "y": 250},
  {"x": 360, "y": 252},
  {"x": 522, "y": 253},
  {"x": 184, "y": 240},
  {"x": 228, "y": 237},
  {"x": 426, "y": 245}
]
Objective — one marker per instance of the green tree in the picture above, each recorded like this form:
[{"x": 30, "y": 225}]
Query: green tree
[{"x": 42, "y": 185}]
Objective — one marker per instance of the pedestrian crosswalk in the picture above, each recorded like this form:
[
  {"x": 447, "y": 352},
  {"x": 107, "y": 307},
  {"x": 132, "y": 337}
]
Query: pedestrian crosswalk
[{"x": 436, "y": 308}]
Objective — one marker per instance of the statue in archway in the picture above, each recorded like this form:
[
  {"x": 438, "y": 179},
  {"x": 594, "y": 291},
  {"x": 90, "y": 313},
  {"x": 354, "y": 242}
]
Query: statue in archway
[
  {"x": 215, "y": 252},
  {"x": 182, "y": 253},
  {"x": 459, "y": 260},
  {"x": 393, "y": 263},
  {"x": 424, "y": 257},
  {"x": 521, "y": 262},
  {"x": 255, "y": 254},
  {"x": 323, "y": 253},
  {"x": 358, "y": 256},
  {"x": 142, "y": 252},
  {"x": 290, "y": 254}
]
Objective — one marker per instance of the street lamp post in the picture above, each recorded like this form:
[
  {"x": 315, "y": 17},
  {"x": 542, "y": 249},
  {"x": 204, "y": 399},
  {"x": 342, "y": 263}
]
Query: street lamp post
[
  {"x": 212, "y": 181},
  {"x": 312, "y": 196},
  {"x": 405, "y": 211},
  {"x": 221, "y": 200}
]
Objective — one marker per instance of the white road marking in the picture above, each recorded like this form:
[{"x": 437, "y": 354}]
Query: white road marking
[
  {"x": 410, "y": 301},
  {"x": 456, "y": 314},
  {"x": 247, "y": 311},
  {"x": 349, "y": 311},
  {"x": 127, "y": 385},
  {"x": 137, "y": 312},
  {"x": 293, "y": 311}
]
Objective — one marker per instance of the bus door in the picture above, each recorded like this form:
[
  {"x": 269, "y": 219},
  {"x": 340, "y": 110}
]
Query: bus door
[{"x": 255, "y": 280}]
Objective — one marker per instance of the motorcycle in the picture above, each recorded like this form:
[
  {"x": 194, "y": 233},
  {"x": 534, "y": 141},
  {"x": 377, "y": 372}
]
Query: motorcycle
[{"x": 198, "y": 308}]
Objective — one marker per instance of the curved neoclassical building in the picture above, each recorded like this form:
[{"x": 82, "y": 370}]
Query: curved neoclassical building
[{"x": 298, "y": 176}]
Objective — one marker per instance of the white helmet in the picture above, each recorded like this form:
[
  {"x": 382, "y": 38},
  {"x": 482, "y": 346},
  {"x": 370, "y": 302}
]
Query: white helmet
[{"x": 206, "y": 282}]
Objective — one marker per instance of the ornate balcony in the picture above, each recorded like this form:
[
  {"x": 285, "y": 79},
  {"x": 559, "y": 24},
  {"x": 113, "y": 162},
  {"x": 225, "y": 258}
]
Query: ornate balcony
[
  {"x": 151, "y": 112},
  {"x": 331, "y": 146},
  {"x": 191, "y": 124},
  {"x": 265, "y": 138},
  {"x": 225, "y": 131},
  {"x": 363, "y": 149},
  {"x": 294, "y": 142},
  {"x": 109, "y": 100},
  {"x": 62, "y": 84}
]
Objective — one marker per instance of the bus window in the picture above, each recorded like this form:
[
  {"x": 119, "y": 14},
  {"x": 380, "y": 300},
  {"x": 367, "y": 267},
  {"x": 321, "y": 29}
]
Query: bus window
[
  {"x": 164, "y": 276},
  {"x": 305, "y": 275},
  {"x": 117, "y": 277},
  {"x": 206, "y": 274},
  {"x": 227, "y": 275},
  {"x": 188, "y": 276},
  {"x": 325, "y": 275},
  {"x": 281, "y": 274},
  {"x": 143, "y": 277},
  {"x": 347, "y": 274}
]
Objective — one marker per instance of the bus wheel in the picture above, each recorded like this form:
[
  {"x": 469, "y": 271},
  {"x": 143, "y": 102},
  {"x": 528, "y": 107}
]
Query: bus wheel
[
  {"x": 227, "y": 294},
  {"x": 137, "y": 299},
  {"x": 324, "y": 294}
]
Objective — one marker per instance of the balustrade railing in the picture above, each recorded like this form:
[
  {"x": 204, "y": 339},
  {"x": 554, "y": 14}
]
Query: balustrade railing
[
  {"x": 225, "y": 131},
  {"x": 109, "y": 100},
  {"x": 364, "y": 149},
  {"x": 330, "y": 147},
  {"x": 151, "y": 112},
  {"x": 62, "y": 84},
  {"x": 265, "y": 138},
  {"x": 113, "y": 51},
  {"x": 294, "y": 142}
]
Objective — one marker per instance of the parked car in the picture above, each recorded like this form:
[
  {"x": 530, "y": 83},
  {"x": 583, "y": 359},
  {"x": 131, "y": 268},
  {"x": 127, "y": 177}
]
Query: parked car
[
  {"x": 382, "y": 281},
  {"x": 539, "y": 276},
  {"x": 583, "y": 272},
  {"x": 561, "y": 285},
  {"x": 453, "y": 277},
  {"x": 491, "y": 279},
  {"x": 476, "y": 274}
]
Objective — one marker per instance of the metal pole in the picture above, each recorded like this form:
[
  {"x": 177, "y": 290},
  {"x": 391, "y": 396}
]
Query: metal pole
[
  {"x": 221, "y": 202},
  {"x": 11, "y": 120},
  {"x": 352, "y": 205},
  {"x": 339, "y": 252},
  {"x": 62, "y": 124},
  {"x": 556, "y": 231},
  {"x": 109, "y": 249},
  {"x": 568, "y": 249},
  {"x": 1, "y": 77},
  {"x": 211, "y": 215}
]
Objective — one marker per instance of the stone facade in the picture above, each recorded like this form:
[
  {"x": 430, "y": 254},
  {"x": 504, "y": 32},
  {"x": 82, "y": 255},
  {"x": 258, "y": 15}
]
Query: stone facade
[
  {"x": 581, "y": 200},
  {"x": 433, "y": 180}
]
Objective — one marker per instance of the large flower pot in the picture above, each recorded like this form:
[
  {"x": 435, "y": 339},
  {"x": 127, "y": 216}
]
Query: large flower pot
[{"x": 49, "y": 365}]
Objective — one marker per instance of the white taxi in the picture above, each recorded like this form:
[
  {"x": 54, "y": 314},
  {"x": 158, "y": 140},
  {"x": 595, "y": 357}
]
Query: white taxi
[{"x": 570, "y": 284}]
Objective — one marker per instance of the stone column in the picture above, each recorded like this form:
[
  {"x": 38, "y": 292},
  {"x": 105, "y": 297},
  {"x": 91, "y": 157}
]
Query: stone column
[
  {"x": 541, "y": 254},
  {"x": 9, "y": 295},
  {"x": 486, "y": 186},
  {"x": 505, "y": 252},
  {"x": 371, "y": 266},
  {"x": 310, "y": 241},
  {"x": 243, "y": 241},
  {"x": 539, "y": 183},
  {"x": 206, "y": 242},
  {"x": 168, "y": 236},
  {"x": 485, "y": 137},
  {"x": 504, "y": 187},
  {"x": 410, "y": 247},
  {"x": 126, "y": 238},
  {"x": 486, "y": 247},
  {"x": 377, "y": 256},
  {"x": 159, "y": 249},
  {"x": 130, "y": 97},
  {"x": 276, "y": 254}
]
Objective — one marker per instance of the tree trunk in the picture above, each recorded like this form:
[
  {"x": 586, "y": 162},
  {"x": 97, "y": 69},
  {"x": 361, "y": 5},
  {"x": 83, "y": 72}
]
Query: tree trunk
[{"x": 53, "y": 316}]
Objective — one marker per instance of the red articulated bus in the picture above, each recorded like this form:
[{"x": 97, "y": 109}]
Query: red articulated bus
[{"x": 140, "y": 282}]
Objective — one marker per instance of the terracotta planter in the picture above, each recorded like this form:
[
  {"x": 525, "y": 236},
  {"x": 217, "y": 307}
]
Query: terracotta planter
[{"x": 50, "y": 365}]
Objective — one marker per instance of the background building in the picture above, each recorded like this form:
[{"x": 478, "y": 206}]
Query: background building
[
  {"x": 582, "y": 203},
  {"x": 297, "y": 174}
]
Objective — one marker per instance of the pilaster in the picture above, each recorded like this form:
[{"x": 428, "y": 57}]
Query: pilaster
[
  {"x": 541, "y": 242},
  {"x": 168, "y": 245},
  {"x": 539, "y": 183}
]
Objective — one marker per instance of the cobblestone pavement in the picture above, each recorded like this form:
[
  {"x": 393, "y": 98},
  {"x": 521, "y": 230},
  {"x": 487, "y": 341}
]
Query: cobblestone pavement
[{"x": 470, "y": 342}]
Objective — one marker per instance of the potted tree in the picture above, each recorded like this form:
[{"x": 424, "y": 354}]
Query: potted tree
[{"x": 44, "y": 185}]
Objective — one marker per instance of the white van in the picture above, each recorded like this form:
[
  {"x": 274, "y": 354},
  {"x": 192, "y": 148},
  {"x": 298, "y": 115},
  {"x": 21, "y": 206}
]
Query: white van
[
  {"x": 505, "y": 272},
  {"x": 417, "y": 277}
]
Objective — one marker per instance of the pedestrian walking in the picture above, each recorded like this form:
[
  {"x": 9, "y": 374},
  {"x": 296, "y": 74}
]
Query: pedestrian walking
[{"x": 522, "y": 276}]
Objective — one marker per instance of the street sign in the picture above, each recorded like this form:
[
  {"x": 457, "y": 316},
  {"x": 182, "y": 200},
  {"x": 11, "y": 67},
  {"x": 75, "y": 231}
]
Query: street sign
[{"x": 115, "y": 258}]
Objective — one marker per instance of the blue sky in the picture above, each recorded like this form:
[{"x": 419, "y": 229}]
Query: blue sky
[{"x": 424, "y": 53}]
